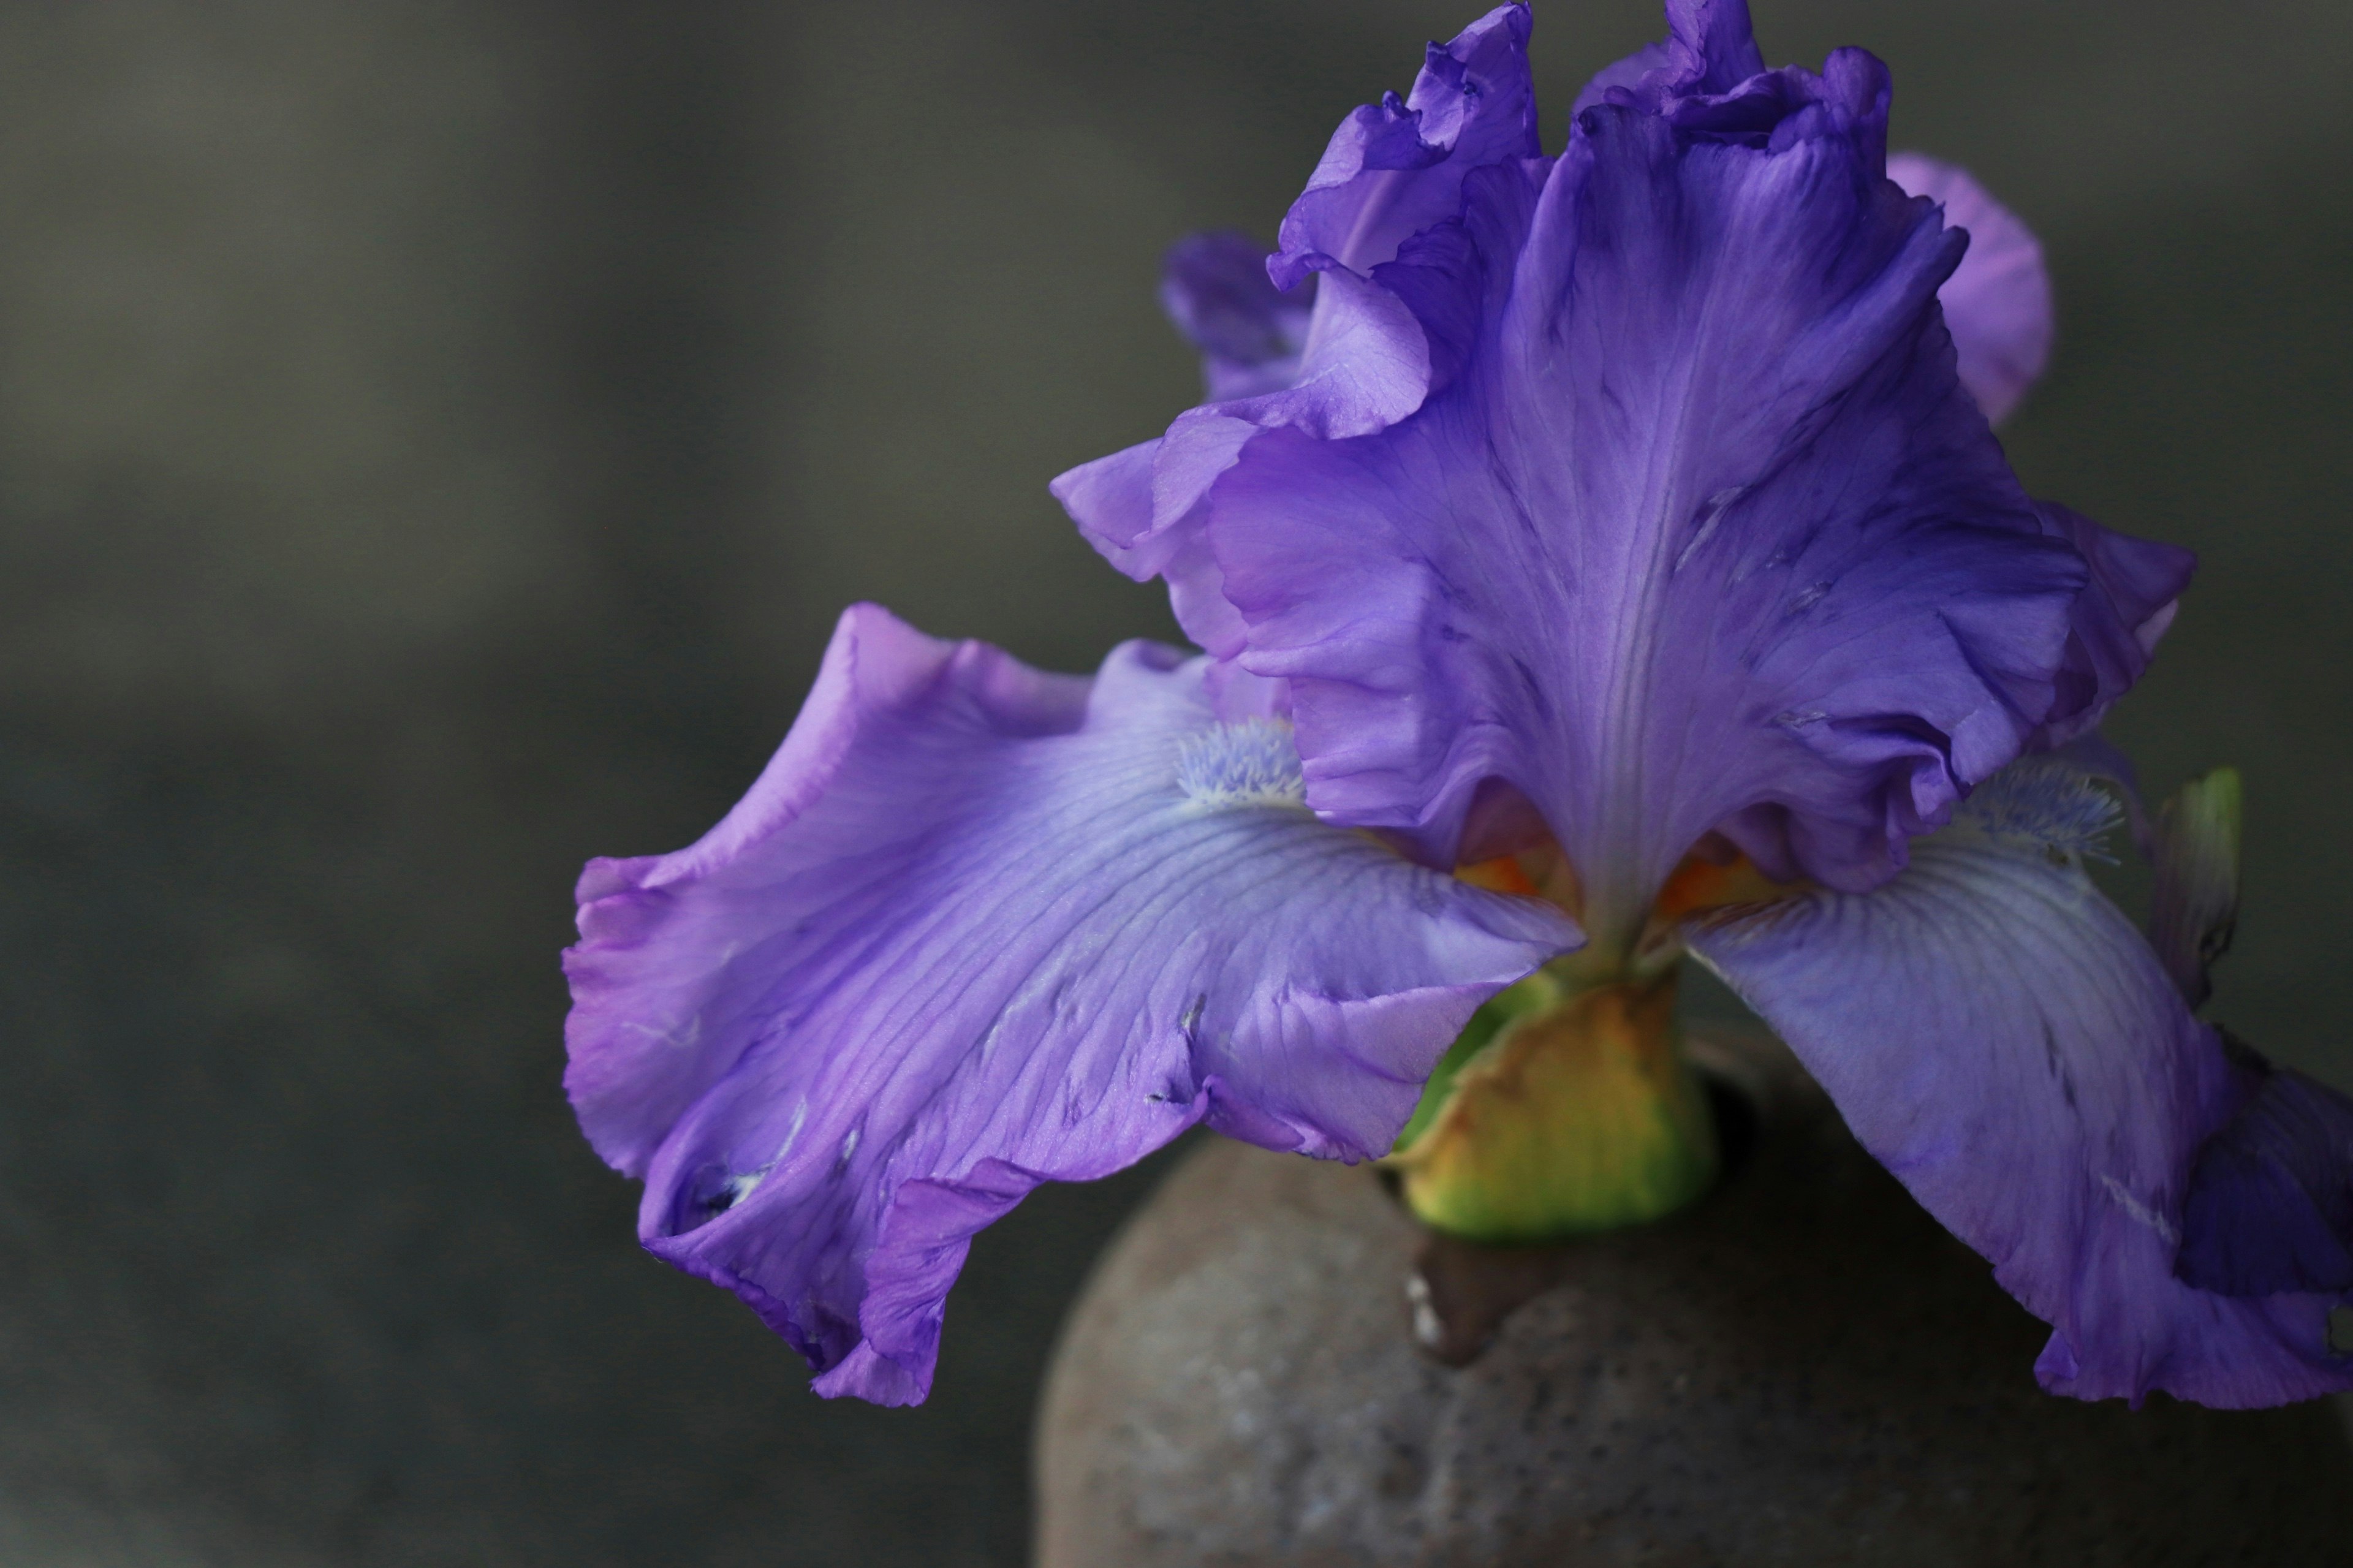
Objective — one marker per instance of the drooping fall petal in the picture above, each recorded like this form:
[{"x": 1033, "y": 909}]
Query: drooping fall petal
[
  {"x": 2001, "y": 1038},
  {"x": 977, "y": 928}
]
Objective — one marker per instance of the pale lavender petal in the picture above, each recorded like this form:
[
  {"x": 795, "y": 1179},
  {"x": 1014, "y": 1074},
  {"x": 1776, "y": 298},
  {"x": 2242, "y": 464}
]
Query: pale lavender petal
[
  {"x": 1110, "y": 500},
  {"x": 2001, "y": 1038},
  {"x": 976, "y": 928},
  {"x": 1998, "y": 302},
  {"x": 1366, "y": 365},
  {"x": 1705, "y": 535}
]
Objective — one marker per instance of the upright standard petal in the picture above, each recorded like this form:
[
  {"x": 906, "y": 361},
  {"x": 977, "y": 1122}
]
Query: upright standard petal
[
  {"x": 1998, "y": 302},
  {"x": 1393, "y": 170},
  {"x": 1999, "y": 1037},
  {"x": 977, "y": 928},
  {"x": 1711, "y": 48},
  {"x": 1396, "y": 167},
  {"x": 1705, "y": 536}
]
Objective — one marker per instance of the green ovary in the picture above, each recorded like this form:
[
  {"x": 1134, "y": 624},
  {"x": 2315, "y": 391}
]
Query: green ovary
[{"x": 1563, "y": 1109}]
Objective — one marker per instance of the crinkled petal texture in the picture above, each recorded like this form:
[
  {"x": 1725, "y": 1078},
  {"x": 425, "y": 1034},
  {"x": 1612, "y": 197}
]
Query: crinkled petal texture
[
  {"x": 977, "y": 928},
  {"x": 1676, "y": 515},
  {"x": 1392, "y": 170},
  {"x": 1998, "y": 302},
  {"x": 1395, "y": 168},
  {"x": 2002, "y": 1039},
  {"x": 1707, "y": 535}
]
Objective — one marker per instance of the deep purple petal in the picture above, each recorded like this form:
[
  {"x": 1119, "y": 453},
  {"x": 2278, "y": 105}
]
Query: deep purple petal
[
  {"x": 1998, "y": 302},
  {"x": 1620, "y": 77},
  {"x": 1711, "y": 47},
  {"x": 2117, "y": 621},
  {"x": 976, "y": 928},
  {"x": 1710, "y": 51},
  {"x": 1707, "y": 535},
  {"x": 1215, "y": 289},
  {"x": 1999, "y": 1037},
  {"x": 2271, "y": 1196}
]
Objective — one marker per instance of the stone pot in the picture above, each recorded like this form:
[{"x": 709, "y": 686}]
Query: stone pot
[{"x": 1275, "y": 1363}]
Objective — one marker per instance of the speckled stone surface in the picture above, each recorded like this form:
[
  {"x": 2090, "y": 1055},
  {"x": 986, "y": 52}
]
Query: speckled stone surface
[{"x": 1803, "y": 1369}]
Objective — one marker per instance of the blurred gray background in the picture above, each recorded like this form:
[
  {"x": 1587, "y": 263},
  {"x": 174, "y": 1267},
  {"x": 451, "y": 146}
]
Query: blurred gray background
[{"x": 434, "y": 440}]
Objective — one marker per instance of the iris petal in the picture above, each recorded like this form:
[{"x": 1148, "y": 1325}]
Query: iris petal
[
  {"x": 1691, "y": 366},
  {"x": 2271, "y": 1197},
  {"x": 1705, "y": 535},
  {"x": 977, "y": 928},
  {"x": 1999, "y": 1037},
  {"x": 1214, "y": 287},
  {"x": 1998, "y": 302},
  {"x": 2113, "y": 626},
  {"x": 1392, "y": 170}
]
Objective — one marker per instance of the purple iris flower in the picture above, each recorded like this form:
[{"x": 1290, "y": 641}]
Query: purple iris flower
[{"x": 1634, "y": 509}]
